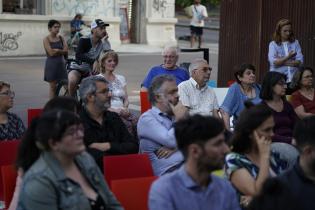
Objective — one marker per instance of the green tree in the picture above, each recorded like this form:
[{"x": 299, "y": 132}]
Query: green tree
[{"x": 185, "y": 3}]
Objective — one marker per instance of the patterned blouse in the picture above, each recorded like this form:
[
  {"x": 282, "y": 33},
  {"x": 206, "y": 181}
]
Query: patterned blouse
[
  {"x": 13, "y": 129},
  {"x": 235, "y": 161}
]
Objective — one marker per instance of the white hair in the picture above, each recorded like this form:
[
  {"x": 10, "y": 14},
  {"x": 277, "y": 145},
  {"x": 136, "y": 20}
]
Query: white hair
[{"x": 195, "y": 64}]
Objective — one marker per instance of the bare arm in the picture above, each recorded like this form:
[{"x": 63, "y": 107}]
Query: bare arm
[
  {"x": 283, "y": 60},
  {"x": 300, "y": 111},
  {"x": 100, "y": 146},
  {"x": 49, "y": 50},
  {"x": 216, "y": 113},
  {"x": 241, "y": 178},
  {"x": 226, "y": 119}
]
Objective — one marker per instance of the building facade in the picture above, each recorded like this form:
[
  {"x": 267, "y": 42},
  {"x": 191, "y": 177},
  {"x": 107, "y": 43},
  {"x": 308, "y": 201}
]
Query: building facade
[{"x": 23, "y": 23}]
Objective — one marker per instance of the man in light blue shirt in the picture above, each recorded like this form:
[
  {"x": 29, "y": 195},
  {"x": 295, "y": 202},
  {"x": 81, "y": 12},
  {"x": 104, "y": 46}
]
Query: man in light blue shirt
[
  {"x": 201, "y": 140},
  {"x": 155, "y": 127}
]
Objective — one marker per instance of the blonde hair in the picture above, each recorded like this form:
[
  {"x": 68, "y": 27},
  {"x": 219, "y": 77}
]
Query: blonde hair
[{"x": 105, "y": 55}]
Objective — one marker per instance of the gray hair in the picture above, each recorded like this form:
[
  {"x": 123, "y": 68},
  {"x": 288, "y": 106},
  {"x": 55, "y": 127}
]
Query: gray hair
[
  {"x": 155, "y": 87},
  {"x": 170, "y": 48},
  {"x": 88, "y": 86},
  {"x": 195, "y": 64}
]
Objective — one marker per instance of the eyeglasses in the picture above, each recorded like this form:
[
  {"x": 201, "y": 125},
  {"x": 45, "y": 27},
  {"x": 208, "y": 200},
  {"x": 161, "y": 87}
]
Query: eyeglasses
[
  {"x": 169, "y": 56},
  {"x": 282, "y": 83},
  {"x": 8, "y": 93},
  {"x": 73, "y": 130}
]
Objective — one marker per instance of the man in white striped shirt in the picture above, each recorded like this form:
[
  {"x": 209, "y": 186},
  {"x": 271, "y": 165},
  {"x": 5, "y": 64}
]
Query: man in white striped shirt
[{"x": 195, "y": 94}]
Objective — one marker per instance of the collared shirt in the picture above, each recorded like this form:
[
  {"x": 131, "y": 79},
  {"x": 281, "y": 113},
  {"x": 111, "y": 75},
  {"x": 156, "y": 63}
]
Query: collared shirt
[
  {"x": 155, "y": 130},
  {"x": 112, "y": 130},
  {"x": 278, "y": 51},
  {"x": 199, "y": 101},
  {"x": 178, "y": 191},
  {"x": 302, "y": 187},
  {"x": 46, "y": 186}
]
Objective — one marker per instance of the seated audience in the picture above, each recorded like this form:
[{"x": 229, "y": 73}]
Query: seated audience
[
  {"x": 156, "y": 126},
  {"x": 274, "y": 195},
  {"x": 252, "y": 161},
  {"x": 301, "y": 179},
  {"x": 303, "y": 98},
  {"x": 273, "y": 95},
  {"x": 64, "y": 176},
  {"x": 192, "y": 186},
  {"x": 11, "y": 126},
  {"x": 245, "y": 88},
  {"x": 104, "y": 131},
  {"x": 119, "y": 96},
  {"x": 28, "y": 147},
  {"x": 195, "y": 93},
  {"x": 170, "y": 55}
]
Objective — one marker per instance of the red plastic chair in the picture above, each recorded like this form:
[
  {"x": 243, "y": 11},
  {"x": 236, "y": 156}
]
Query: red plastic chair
[
  {"x": 230, "y": 82},
  {"x": 8, "y": 152},
  {"x": 126, "y": 166},
  {"x": 144, "y": 101},
  {"x": 9, "y": 175},
  {"x": 31, "y": 114},
  {"x": 133, "y": 193}
]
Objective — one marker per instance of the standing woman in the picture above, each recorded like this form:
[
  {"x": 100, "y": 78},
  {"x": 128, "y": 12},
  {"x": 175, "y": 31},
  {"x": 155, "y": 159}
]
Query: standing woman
[
  {"x": 56, "y": 50},
  {"x": 245, "y": 88},
  {"x": 303, "y": 98},
  {"x": 284, "y": 54},
  {"x": 273, "y": 95},
  {"x": 119, "y": 98}
]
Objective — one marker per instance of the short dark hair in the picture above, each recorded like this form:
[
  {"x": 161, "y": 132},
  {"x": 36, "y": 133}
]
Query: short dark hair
[
  {"x": 304, "y": 132},
  {"x": 196, "y": 129},
  {"x": 156, "y": 85},
  {"x": 51, "y": 23},
  {"x": 249, "y": 120},
  {"x": 269, "y": 81},
  {"x": 239, "y": 72},
  {"x": 297, "y": 77}
]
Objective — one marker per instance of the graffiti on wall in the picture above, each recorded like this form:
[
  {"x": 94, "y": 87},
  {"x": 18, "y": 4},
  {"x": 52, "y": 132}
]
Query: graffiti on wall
[
  {"x": 161, "y": 7},
  {"x": 8, "y": 41},
  {"x": 85, "y": 7}
]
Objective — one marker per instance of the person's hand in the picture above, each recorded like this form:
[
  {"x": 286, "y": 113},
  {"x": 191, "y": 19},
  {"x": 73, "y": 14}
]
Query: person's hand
[
  {"x": 124, "y": 112},
  {"x": 179, "y": 110},
  {"x": 105, "y": 37},
  {"x": 164, "y": 152},
  {"x": 245, "y": 200},
  {"x": 96, "y": 68},
  {"x": 263, "y": 144},
  {"x": 291, "y": 54}
]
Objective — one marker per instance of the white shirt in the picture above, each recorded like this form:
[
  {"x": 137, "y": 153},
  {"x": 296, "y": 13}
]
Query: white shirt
[
  {"x": 198, "y": 14},
  {"x": 199, "y": 101}
]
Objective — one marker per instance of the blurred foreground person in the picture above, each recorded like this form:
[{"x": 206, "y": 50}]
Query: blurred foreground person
[{"x": 64, "y": 176}]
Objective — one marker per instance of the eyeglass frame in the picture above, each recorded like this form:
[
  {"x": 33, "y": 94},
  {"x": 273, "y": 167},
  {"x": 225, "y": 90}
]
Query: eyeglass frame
[{"x": 9, "y": 93}]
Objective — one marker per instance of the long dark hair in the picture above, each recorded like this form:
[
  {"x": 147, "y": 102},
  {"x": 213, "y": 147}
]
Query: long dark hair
[
  {"x": 249, "y": 120},
  {"x": 49, "y": 126}
]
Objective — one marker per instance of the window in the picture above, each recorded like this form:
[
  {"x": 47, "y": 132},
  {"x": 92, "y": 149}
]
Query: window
[{"x": 23, "y": 6}]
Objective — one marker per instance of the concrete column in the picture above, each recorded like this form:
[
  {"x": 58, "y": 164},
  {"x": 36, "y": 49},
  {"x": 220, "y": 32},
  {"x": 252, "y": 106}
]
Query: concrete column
[{"x": 160, "y": 22}]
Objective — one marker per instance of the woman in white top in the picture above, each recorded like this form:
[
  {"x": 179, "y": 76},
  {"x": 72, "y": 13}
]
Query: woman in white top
[
  {"x": 119, "y": 100},
  {"x": 285, "y": 54}
]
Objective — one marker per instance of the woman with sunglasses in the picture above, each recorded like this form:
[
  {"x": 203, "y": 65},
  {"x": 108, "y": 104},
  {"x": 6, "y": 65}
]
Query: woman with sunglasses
[{"x": 11, "y": 126}]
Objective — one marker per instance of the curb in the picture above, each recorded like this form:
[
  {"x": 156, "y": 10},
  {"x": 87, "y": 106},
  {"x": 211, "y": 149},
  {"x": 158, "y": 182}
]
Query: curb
[{"x": 215, "y": 28}]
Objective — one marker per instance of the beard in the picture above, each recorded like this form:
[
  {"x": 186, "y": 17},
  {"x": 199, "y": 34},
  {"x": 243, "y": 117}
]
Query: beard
[{"x": 101, "y": 105}]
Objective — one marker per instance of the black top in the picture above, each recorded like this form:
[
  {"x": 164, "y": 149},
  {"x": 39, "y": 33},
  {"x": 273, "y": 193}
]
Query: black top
[
  {"x": 301, "y": 187},
  {"x": 84, "y": 46},
  {"x": 98, "y": 204},
  {"x": 112, "y": 130}
]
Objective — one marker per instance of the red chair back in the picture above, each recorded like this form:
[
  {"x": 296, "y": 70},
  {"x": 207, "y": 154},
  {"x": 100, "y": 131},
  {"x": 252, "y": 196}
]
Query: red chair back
[
  {"x": 133, "y": 193},
  {"x": 8, "y": 153},
  {"x": 9, "y": 175},
  {"x": 144, "y": 101},
  {"x": 126, "y": 166},
  {"x": 31, "y": 114},
  {"x": 230, "y": 82}
]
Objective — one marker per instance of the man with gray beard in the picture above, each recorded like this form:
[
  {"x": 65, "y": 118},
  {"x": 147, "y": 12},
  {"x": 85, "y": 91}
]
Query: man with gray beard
[{"x": 104, "y": 132}]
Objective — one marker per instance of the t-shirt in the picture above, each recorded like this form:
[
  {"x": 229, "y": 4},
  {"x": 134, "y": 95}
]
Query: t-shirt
[{"x": 298, "y": 99}]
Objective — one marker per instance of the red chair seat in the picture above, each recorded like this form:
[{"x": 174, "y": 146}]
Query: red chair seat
[
  {"x": 9, "y": 175},
  {"x": 31, "y": 114}
]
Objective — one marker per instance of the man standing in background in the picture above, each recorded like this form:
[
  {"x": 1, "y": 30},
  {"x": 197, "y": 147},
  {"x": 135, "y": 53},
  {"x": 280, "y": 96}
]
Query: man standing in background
[{"x": 199, "y": 14}]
